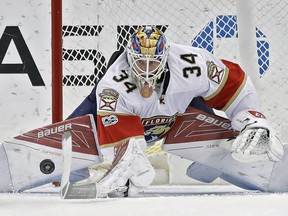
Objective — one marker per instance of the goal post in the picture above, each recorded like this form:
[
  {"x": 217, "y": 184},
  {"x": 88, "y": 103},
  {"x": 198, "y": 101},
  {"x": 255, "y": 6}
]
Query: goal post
[
  {"x": 56, "y": 59},
  {"x": 247, "y": 38}
]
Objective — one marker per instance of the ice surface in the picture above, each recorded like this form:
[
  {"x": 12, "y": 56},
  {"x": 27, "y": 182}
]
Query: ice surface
[{"x": 157, "y": 200}]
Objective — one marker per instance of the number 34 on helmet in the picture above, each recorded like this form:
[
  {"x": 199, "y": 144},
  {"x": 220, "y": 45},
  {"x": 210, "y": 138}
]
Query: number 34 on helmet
[{"x": 147, "y": 52}]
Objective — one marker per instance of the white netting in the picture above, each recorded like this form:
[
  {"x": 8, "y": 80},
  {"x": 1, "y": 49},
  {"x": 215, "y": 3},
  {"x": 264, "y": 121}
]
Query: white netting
[
  {"x": 271, "y": 20},
  {"x": 93, "y": 30}
]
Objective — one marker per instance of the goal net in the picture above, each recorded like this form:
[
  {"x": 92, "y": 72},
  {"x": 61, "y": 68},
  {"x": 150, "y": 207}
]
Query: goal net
[{"x": 93, "y": 29}]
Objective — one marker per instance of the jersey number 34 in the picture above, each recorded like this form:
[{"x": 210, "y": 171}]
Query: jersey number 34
[{"x": 190, "y": 58}]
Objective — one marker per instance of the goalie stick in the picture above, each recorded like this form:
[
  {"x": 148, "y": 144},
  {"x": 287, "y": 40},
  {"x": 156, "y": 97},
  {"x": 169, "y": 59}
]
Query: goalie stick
[
  {"x": 73, "y": 190},
  {"x": 80, "y": 190}
]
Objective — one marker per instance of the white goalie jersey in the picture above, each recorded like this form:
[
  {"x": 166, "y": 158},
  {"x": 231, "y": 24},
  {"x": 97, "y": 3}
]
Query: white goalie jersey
[{"x": 123, "y": 113}]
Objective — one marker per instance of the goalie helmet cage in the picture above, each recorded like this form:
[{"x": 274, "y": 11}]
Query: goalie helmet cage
[{"x": 248, "y": 32}]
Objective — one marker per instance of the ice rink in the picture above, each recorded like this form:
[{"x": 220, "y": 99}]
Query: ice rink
[{"x": 157, "y": 200}]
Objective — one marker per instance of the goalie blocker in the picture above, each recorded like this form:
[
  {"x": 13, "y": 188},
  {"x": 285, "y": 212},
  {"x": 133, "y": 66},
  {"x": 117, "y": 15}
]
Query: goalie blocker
[{"x": 35, "y": 158}]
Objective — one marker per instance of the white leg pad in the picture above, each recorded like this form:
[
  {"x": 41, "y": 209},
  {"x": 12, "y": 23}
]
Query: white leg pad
[{"x": 5, "y": 177}]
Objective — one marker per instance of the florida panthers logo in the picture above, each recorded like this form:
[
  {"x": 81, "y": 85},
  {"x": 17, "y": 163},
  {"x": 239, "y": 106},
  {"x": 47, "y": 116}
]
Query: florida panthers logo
[
  {"x": 215, "y": 73},
  {"x": 108, "y": 99},
  {"x": 157, "y": 126}
]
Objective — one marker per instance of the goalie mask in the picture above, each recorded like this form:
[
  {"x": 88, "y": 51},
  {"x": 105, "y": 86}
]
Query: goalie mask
[{"x": 147, "y": 52}]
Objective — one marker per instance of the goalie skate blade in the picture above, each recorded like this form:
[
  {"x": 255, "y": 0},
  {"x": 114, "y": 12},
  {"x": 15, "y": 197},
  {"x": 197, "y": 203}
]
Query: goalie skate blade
[{"x": 79, "y": 191}]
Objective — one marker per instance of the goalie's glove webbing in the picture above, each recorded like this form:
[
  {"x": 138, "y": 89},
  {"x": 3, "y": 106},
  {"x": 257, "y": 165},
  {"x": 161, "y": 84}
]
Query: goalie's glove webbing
[{"x": 257, "y": 140}]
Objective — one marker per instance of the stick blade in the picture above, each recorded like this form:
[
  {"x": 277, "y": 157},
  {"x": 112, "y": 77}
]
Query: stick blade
[
  {"x": 73, "y": 190},
  {"x": 79, "y": 191}
]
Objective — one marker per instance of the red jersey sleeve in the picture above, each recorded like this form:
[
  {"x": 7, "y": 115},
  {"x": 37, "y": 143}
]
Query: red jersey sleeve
[
  {"x": 233, "y": 84},
  {"x": 115, "y": 128}
]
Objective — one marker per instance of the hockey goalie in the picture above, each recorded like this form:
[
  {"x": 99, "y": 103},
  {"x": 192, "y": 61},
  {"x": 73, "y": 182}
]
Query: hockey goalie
[{"x": 154, "y": 90}]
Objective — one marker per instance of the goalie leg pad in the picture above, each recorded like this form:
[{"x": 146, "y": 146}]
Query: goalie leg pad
[
  {"x": 5, "y": 177},
  {"x": 202, "y": 172},
  {"x": 35, "y": 158},
  {"x": 25, "y": 167}
]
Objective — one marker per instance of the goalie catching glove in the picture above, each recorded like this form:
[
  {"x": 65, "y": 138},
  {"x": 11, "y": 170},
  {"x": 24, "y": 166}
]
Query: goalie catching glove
[
  {"x": 257, "y": 141},
  {"x": 130, "y": 164}
]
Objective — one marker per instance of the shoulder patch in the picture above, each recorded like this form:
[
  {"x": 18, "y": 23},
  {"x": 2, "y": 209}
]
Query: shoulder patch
[
  {"x": 109, "y": 120},
  {"x": 108, "y": 99},
  {"x": 215, "y": 73}
]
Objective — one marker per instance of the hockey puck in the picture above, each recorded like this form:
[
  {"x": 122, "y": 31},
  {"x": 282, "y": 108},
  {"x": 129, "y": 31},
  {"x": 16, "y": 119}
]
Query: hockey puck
[{"x": 47, "y": 166}]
